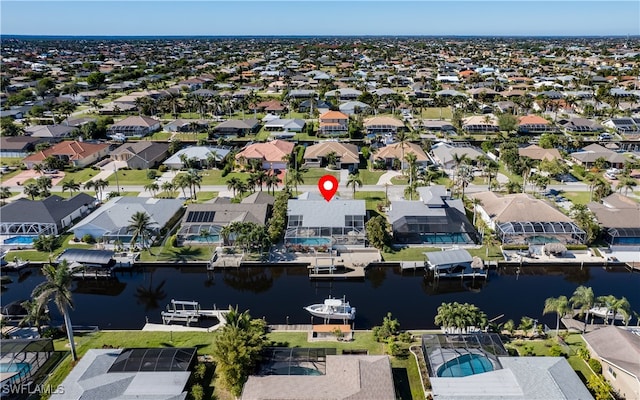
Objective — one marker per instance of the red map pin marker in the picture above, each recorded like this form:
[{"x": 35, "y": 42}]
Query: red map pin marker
[{"x": 328, "y": 186}]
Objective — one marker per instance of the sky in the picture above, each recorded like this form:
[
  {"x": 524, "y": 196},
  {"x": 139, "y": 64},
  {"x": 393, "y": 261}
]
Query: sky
[{"x": 302, "y": 17}]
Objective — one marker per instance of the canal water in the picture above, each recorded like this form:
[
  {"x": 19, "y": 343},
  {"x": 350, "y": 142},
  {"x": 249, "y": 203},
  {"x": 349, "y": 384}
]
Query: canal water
[{"x": 279, "y": 293}]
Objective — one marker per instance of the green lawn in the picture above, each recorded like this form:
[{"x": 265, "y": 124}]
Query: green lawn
[
  {"x": 494, "y": 253},
  {"x": 263, "y": 135},
  {"x": 191, "y": 137},
  {"x": 185, "y": 253},
  {"x": 508, "y": 174},
  {"x": 11, "y": 161},
  {"x": 577, "y": 197},
  {"x": 400, "y": 180},
  {"x": 214, "y": 177},
  {"x": 370, "y": 177},
  {"x": 161, "y": 135},
  {"x": 9, "y": 175},
  {"x": 81, "y": 176},
  {"x": 408, "y": 254},
  {"x": 34, "y": 255},
  {"x": 435, "y": 112},
  {"x": 313, "y": 174},
  {"x": 371, "y": 199},
  {"x": 129, "y": 177},
  {"x": 305, "y": 137},
  {"x": 206, "y": 196}
]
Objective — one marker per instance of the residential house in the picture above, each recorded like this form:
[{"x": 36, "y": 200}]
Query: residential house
[
  {"x": 78, "y": 154},
  {"x": 199, "y": 155},
  {"x": 334, "y": 123},
  {"x": 237, "y": 127},
  {"x": 346, "y": 155},
  {"x": 399, "y": 151},
  {"x": 187, "y": 125},
  {"x": 481, "y": 124},
  {"x": 54, "y": 132},
  {"x": 345, "y": 377},
  {"x": 213, "y": 217},
  {"x": 618, "y": 351},
  {"x": 580, "y": 125},
  {"x": 18, "y": 146},
  {"x": 270, "y": 106},
  {"x": 283, "y": 126},
  {"x": 382, "y": 125},
  {"x": 337, "y": 224},
  {"x": 522, "y": 219},
  {"x": 302, "y": 94},
  {"x": 142, "y": 373},
  {"x": 436, "y": 126},
  {"x": 624, "y": 126},
  {"x": 311, "y": 105},
  {"x": 534, "y": 124},
  {"x": 134, "y": 126},
  {"x": 445, "y": 154},
  {"x": 435, "y": 218},
  {"x": 536, "y": 152},
  {"x": 111, "y": 221},
  {"x": 345, "y": 94},
  {"x": 588, "y": 155},
  {"x": 43, "y": 217},
  {"x": 353, "y": 107},
  {"x": 141, "y": 154},
  {"x": 619, "y": 217},
  {"x": 271, "y": 154}
]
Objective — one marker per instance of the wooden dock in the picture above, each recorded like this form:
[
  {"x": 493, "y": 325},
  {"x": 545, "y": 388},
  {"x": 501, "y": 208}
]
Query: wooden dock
[
  {"x": 190, "y": 312},
  {"x": 292, "y": 327},
  {"x": 331, "y": 272}
]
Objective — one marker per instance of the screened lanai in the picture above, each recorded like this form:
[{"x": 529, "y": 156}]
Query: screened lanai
[
  {"x": 540, "y": 232},
  {"x": 623, "y": 236},
  {"x": 22, "y": 358}
]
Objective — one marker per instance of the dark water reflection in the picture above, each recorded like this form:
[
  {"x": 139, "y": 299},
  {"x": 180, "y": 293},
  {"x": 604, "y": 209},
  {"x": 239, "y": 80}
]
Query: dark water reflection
[{"x": 281, "y": 292}]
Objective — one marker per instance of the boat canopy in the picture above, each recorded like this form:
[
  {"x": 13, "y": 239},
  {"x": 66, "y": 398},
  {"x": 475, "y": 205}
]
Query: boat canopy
[{"x": 333, "y": 302}]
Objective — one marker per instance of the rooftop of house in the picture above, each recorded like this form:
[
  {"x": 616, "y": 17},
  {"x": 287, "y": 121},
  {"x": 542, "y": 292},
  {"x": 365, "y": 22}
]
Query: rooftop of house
[
  {"x": 519, "y": 207},
  {"x": 618, "y": 346}
]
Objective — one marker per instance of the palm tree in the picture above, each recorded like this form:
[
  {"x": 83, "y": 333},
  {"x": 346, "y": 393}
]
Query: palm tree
[
  {"x": 609, "y": 303},
  {"x": 295, "y": 177},
  {"x": 168, "y": 188},
  {"x": 36, "y": 314},
  {"x": 5, "y": 193},
  {"x": 234, "y": 183},
  {"x": 591, "y": 180},
  {"x": 403, "y": 137},
  {"x": 194, "y": 179},
  {"x": 626, "y": 183},
  {"x": 584, "y": 299},
  {"x": 71, "y": 186},
  {"x": 332, "y": 159},
  {"x": 560, "y": 306},
  {"x": 475, "y": 202},
  {"x": 152, "y": 188},
  {"x": 39, "y": 168},
  {"x": 32, "y": 190},
  {"x": 98, "y": 185},
  {"x": 354, "y": 180},
  {"x": 140, "y": 228},
  {"x": 272, "y": 182},
  {"x": 57, "y": 287}
]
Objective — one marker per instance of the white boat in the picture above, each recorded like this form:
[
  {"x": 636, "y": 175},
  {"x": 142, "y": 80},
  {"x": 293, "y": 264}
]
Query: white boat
[
  {"x": 16, "y": 264},
  {"x": 602, "y": 312},
  {"x": 332, "y": 309}
]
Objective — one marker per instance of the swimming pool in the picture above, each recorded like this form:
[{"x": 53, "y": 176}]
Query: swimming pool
[
  {"x": 448, "y": 238},
  {"x": 541, "y": 240},
  {"x": 202, "y": 239},
  {"x": 22, "y": 370},
  {"x": 311, "y": 241},
  {"x": 465, "y": 365},
  {"x": 296, "y": 370},
  {"x": 23, "y": 240}
]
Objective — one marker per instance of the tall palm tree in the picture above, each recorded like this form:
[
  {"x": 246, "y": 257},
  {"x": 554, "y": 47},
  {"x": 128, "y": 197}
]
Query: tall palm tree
[
  {"x": 5, "y": 193},
  {"x": 32, "y": 190},
  {"x": 36, "y": 314},
  {"x": 295, "y": 177},
  {"x": 354, "y": 180},
  {"x": 168, "y": 188},
  {"x": 71, "y": 186},
  {"x": 583, "y": 299},
  {"x": 560, "y": 306},
  {"x": 57, "y": 287},
  {"x": 272, "y": 182},
  {"x": 233, "y": 183},
  {"x": 152, "y": 188},
  {"x": 140, "y": 227},
  {"x": 609, "y": 303},
  {"x": 403, "y": 138}
]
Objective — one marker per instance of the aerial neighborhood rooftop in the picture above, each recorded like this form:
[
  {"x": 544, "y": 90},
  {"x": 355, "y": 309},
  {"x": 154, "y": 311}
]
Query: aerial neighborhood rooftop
[{"x": 181, "y": 171}]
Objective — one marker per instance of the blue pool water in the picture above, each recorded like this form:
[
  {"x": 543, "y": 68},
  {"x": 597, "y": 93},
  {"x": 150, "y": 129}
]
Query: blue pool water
[
  {"x": 465, "y": 365},
  {"x": 25, "y": 240},
  {"x": 210, "y": 239},
  {"x": 296, "y": 371},
  {"x": 311, "y": 241},
  {"x": 541, "y": 240},
  {"x": 450, "y": 238},
  {"x": 22, "y": 370}
]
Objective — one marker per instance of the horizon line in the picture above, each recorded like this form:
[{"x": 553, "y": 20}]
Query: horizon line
[{"x": 12, "y": 35}]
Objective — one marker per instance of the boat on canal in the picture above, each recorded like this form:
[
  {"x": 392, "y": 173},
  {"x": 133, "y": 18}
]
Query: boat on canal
[{"x": 332, "y": 309}]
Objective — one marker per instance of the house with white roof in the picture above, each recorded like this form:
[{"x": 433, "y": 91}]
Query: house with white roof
[{"x": 200, "y": 154}]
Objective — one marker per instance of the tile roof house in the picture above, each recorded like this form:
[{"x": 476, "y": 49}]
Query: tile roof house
[
  {"x": 534, "y": 124},
  {"x": 536, "y": 152},
  {"x": 344, "y": 94},
  {"x": 346, "y": 153},
  {"x": 141, "y": 154},
  {"x": 201, "y": 154},
  {"x": 186, "y": 125},
  {"x": 271, "y": 154},
  {"x": 382, "y": 125},
  {"x": 620, "y": 217},
  {"x": 436, "y": 218},
  {"x": 49, "y": 216},
  {"x": 444, "y": 154},
  {"x": 588, "y": 155},
  {"x": 347, "y": 377},
  {"x": 49, "y": 131},
  {"x": 334, "y": 123},
  {"x": 579, "y": 125},
  {"x": 353, "y": 107},
  {"x": 618, "y": 350},
  {"x": 237, "y": 127},
  {"x": 480, "y": 123},
  {"x": 285, "y": 125},
  {"x": 79, "y": 154},
  {"x": 400, "y": 150},
  {"x": 134, "y": 126},
  {"x": 521, "y": 218}
]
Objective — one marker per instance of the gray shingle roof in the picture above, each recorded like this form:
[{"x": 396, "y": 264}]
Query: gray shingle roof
[
  {"x": 617, "y": 346},
  {"x": 321, "y": 213},
  {"x": 50, "y": 210}
]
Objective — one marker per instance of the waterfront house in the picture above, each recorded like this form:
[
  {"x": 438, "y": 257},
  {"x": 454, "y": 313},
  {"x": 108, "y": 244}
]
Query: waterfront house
[
  {"x": 435, "y": 218},
  {"x": 18, "y": 146},
  {"x": 522, "y": 219},
  {"x": 536, "y": 152},
  {"x": 141, "y": 154},
  {"x": 51, "y": 132},
  {"x": 580, "y": 125},
  {"x": 624, "y": 126},
  {"x": 334, "y": 123},
  {"x": 43, "y": 217},
  {"x": 534, "y": 124},
  {"x": 279, "y": 125},
  {"x": 480, "y": 124},
  {"x": 445, "y": 154},
  {"x": 346, "y": 155},
  {"x": 187, "y": 125},
  {"x": 313, "y": 221},
  {"x": 382, "y": 125},
  {"x": 619, "y": 217},
  {"x": 134, "y": 126},
  {"x": 238, "y": 127},
  {"x": 353, "y": 107},
  {"x": 111, "y": 221},
  {"x": 344, "y": 94},
  {"x": 78, "y": 154},
  {"x": 337, "y": 377},
  {"x": 198, "y": 155},
  {"x": 400, "y": 150},
  {"x": 271, "y": 155},
  {"x": 618, "y": 351},
  {"x": 588, "y": 155},
  {"x": 149, "y": 373}
]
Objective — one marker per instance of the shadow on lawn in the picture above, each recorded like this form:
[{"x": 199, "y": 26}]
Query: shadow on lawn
[
  {"x": 182, "y": 254},
  {"x": 401, "y": 383}
]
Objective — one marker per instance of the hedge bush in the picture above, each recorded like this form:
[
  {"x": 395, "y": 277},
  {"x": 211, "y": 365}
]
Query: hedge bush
[{"x": 595, "y": 365}]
